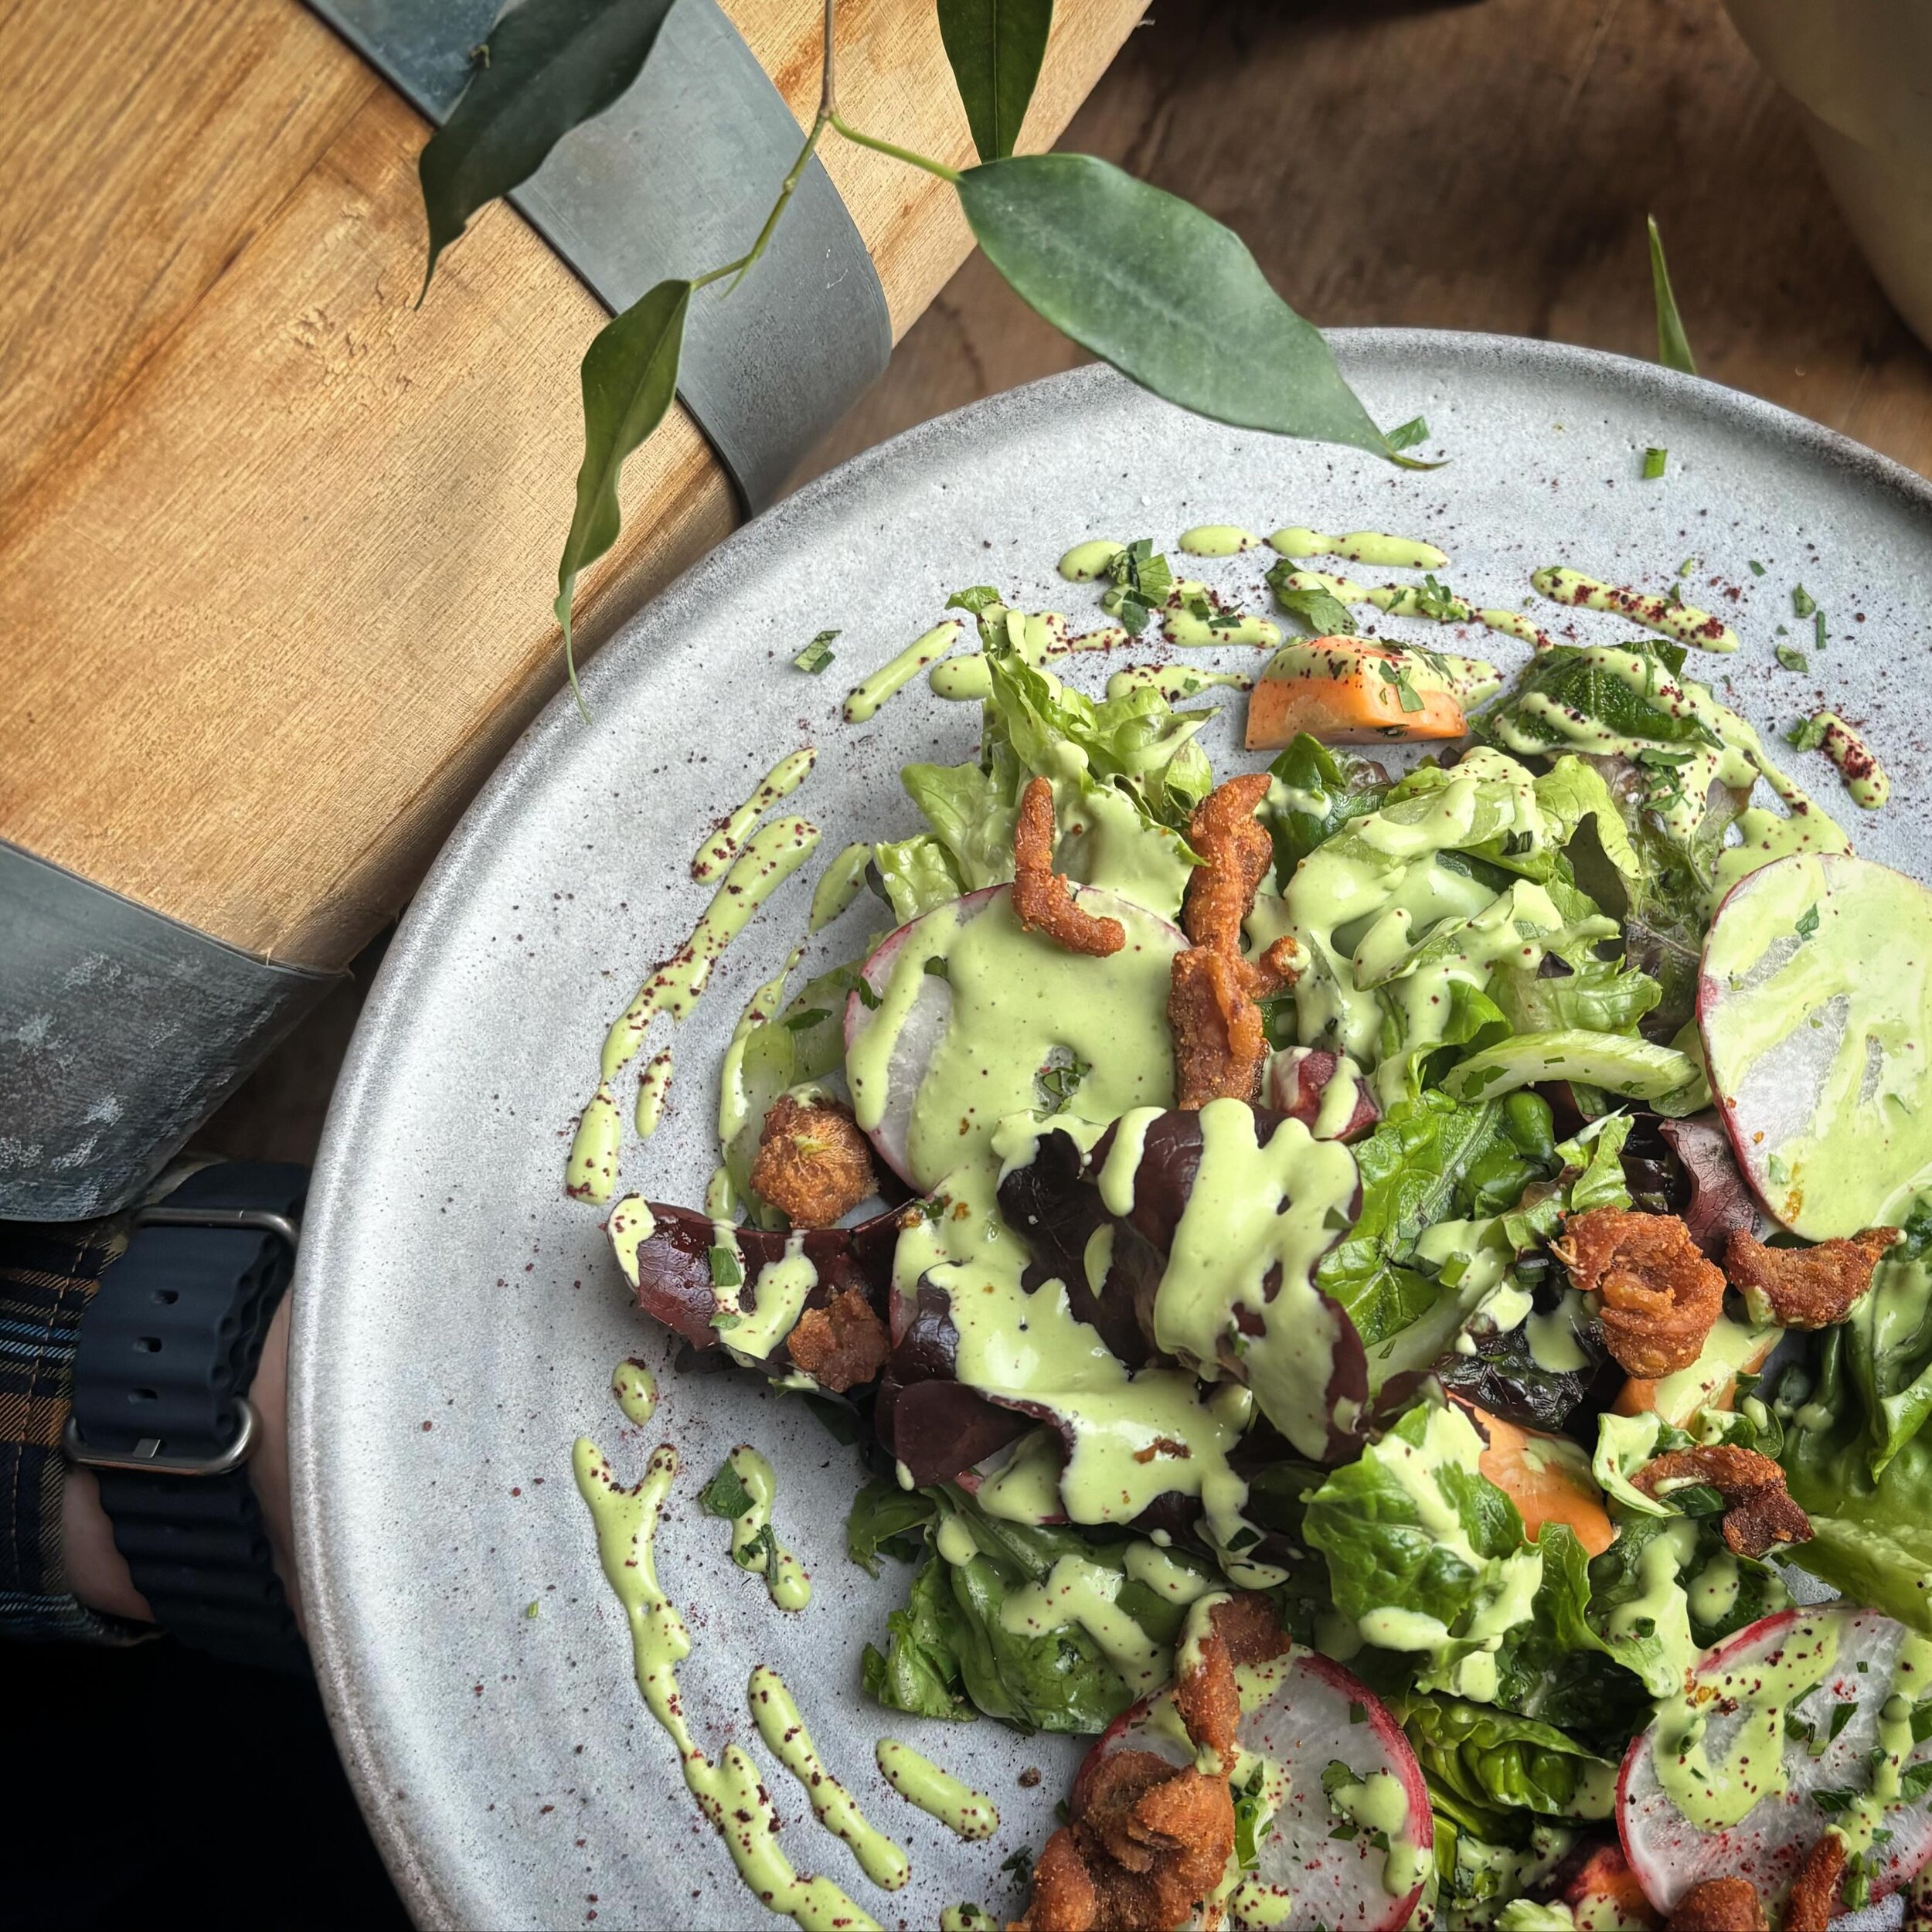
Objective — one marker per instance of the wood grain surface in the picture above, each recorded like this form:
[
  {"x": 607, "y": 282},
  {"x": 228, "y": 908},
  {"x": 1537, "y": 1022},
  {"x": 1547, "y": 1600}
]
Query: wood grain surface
[{"x": 277, "y": 548}]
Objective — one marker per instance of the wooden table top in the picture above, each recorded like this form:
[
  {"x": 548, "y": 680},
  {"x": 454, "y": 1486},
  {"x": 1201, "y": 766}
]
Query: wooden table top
[{"x": 1484, "y": 166}]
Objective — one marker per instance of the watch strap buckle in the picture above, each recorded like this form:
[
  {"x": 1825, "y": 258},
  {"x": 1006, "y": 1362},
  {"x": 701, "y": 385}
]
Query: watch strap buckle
[{"x": 145, "y": 1458}]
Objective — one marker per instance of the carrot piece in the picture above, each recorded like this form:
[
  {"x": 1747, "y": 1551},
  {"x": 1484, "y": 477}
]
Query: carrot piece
[
  {"x": 1710, "y": 1382},
  {"x": 1349, "y": 691},
  {"x": 1547, "y": 1477}
]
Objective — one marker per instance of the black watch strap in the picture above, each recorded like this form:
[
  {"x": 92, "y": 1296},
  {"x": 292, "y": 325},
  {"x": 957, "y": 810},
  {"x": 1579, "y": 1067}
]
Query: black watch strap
[{"x": 168, "y": 1345}]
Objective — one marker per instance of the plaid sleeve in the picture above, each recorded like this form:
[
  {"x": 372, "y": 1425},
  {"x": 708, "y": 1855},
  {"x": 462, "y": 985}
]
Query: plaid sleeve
[{"x": 47, "y": 1278}]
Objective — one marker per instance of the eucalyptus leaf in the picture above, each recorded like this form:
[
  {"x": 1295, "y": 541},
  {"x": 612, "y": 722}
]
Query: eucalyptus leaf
[
  {"x": 547, "y": 67},
  {"x": 630, "y": 376},
  {"x": 995, "y": 47},
  {"x": 1673, "y": 347},
  {"x": 1166, "y": 293}
]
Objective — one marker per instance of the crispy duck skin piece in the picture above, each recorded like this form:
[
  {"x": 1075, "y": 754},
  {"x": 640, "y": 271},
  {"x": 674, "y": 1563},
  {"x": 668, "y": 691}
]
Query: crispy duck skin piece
[
  {"x": 1236, "y": 852},
  {"x": 1814, "y": 1903},
  {"x": 1150, "y": 1839},
  {"x": 1804, "y": 1288},
  {"x": 1719, "y": 1905},
  {"x": 813, "y": 1163},
  {"x": 841, "y": 1344},
  {"x": 1660, "y": 1296},
  {"x": 1043, "y": 899},
  {"x": 1219, "y": 1043},
  {"x": 1760, "y": 1513}
]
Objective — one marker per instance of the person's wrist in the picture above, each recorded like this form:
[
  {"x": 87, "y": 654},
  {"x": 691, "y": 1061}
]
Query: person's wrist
[{"x": 97, "y": 1572}]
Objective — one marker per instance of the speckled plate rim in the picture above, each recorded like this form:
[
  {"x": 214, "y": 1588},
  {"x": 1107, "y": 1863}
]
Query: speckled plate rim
[{"x": 1057, "y": 400}]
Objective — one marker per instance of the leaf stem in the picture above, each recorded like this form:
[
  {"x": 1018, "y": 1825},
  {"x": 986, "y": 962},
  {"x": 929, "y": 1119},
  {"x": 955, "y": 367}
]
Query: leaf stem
[
  {"x": 925, "y": 162},
  {"x": 742, "y": 267}
]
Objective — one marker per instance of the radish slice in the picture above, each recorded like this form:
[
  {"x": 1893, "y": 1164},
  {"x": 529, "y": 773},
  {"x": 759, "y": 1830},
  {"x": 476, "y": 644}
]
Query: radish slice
[
  {"x": 1815, "y": 1004},
  {"x": 1300, "y": 1714},
  {"x": 1831, "y": 1657},
  {"x": 1301, "y": 1084},
  {"x": 1024, "y": 1006}
]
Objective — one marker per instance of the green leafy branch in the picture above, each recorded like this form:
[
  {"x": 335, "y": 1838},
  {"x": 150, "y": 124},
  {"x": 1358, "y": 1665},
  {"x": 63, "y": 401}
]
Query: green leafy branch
[{"x": 1142, "y": 279}]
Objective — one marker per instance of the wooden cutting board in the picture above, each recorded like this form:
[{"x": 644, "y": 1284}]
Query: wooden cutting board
[{"x": 277, "y": 548}]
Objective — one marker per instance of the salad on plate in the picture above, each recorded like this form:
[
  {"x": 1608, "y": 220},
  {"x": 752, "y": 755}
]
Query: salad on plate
[{"x": 1388, "y": 1288}]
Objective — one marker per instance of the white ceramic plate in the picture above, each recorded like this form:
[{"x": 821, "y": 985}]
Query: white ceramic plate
[{"x": 457, "y": 1318}]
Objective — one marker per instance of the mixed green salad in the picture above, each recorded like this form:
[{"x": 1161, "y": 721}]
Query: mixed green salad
[{"x": 1473, "y": 1211}]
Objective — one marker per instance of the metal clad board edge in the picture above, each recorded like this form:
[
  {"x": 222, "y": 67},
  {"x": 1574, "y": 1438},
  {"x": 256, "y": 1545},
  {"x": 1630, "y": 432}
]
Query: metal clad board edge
[
  {"x": 120, "y": 1031},
  {"x": 675, "y": 179}
]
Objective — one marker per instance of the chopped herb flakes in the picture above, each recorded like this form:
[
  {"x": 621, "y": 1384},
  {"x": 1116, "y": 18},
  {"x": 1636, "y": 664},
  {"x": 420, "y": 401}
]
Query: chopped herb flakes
[
  {"x": 1803, "y": 603},
  {"x": 1807, "y": 734},
  {"x": 1322, "y": 611},
  {"x": 1407, "y": 435},
  {"x": 1653, "y": 463},
  {"x": 979, "y": 599},
  {"x": 727, "y": 1271},
  {"x": 1057, "y": 1085},
  {"x": 1807, "y": 923},
  {"x": 1685, "y": 568},
  {"x": 867, "y": 998},
  {"x": 1756, "y": 569},
  {"x": 1407, "y": 695},
  {"x": 817, "y": 654},
  {"x": 804, "y": 1023},
  {"x": 1792, "y": 658},
  {"x": 938, "y": 966}
]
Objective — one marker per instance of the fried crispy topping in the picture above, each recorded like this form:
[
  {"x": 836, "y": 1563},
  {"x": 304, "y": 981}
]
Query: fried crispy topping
[
  {"x": 1804, "y": 1288},
  {"x": 813, "y": 1163},
  {"x": 1148, "y": 1839},
  {"x": 1219, "y": 1041},
  {"x": 1042, "y": 900},
  {"x": 1660, "y": 1295},
  {"x": 1761, "y": 1511},
  {"x": 841, "y": 1344},
  {"x": 1719, "y": 1905},
  {"x": 1814, "y": 1903},
  {"x": 1235, "y": 850}
]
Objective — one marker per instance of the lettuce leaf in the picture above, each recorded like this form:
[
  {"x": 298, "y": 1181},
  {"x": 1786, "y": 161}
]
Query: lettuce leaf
[
  {"x": 914, "y": 875},
  {"x": 1861, "y": 1469},
  {"x": 1597, "y": 995},
  {"x": 1483, "y": 1764},
  {"x": 1317, "y": 792},
  {"x": 884, "y": 1517}
]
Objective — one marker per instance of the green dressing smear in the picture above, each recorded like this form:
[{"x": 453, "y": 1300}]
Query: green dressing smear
[
  {"x": 653, "y": 1084},
  {"x": 1865, "y": 778},
  {"x": 786, "y": 1582},
  {"x": 636, "y": 1389},
  {"x": 937, "y": 1793},
  {"x": 673, "y": 987},
  {"x": 839, "y": 885},
  {"x": 1682, "y": 621},
  {"x": 1217, "y": 539},
  {"x": 731, "y": 1791},
  {"x": 1360, "y": 546},
  {"x": 1087, "y": 561},
  {"x": 632, "y": 1224},
  {"x": 776, "y": 1714},
  {"x": 724, "y": 844},
  {"x": 968, "y": 1917},
  {"x": 894, "y": 676},
  {"x": 1419, "y": 600}
]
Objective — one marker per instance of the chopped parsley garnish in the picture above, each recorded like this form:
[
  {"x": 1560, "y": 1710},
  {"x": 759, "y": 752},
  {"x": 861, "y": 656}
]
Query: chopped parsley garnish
[
  {"x": 1757, "y": 569},
  {"x": 1434, "y": 600},
  {"x": 1807, "y": 734},
  {"x": 1685, "y": 568},
  {"x": 1654, "y": 462},
  {"x": 1792, "y": 658},
  {"x": 1407, "y": 695},
  {"x": 1922, "y": 1720},
  {"x": 725, "y": 1494},
  {"x": 979, "y": 599},
  {"x": 1803, "y": 603},
  {"x": 1914, "y": 1782},
  {"x": 1842, "y": 1715},
  {"x": 532, "y": 1608},
  {"x": 1358, "y": 1713},
  {"x": 1019, "y": 1864},
  {"x": 1817, "y": 630},
  {"x": 1807, "y": 922},
  {"x": 1831, "y": 1803},
  {"x": 938, "y": 966},
  {"x": 804, "y": 1023},
  {"x": 1141, "y": 582},
  {"x": 867, "y": 998},
  {"x": 1406, "y": 436},
  {"x": 817, "y": 654},
  {"x": 1058, "y": 1083},
  {"x": 727, "y": 1271}
]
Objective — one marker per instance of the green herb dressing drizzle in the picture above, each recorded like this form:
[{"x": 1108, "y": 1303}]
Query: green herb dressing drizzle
[
  {"x": 1174, "y": 681},
  {"x": 968, "y": 1917},
  {"x": 840, "y": 883},
  {"x": 1193, "y": 632},
  {"x": 653, "y": 1084},
  {"x": 730, "y": 1792},
  {"x": 937, "y": 1793},
  {"x": 778, "y": 1294},
  {"x": 636, "y": 1389},
  {"x": 1360, "y": 546},
  {"x": 786, "y": 1582},
  {"x": 1416, "y": 601},
  {"x": 591, "y": 1171},
  {"x": 776, "y": 1713},
  {"x": 897, "y": 673},
  {"x": 1865, "y": 778},
  {"x": 632, "y": 1224},
  {"x": 1076, "y": 1591},
  {"x": 724, "y": 845},
  {"x": 1682, "y": 621},
  {"x": 1087, "y": 561},
  {"x": 1217, "y": 539},
  {"x": 736, "y": 1108},
  {"x": 1378, "y": 1803},
  {"x": 771, "y": 857}
]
